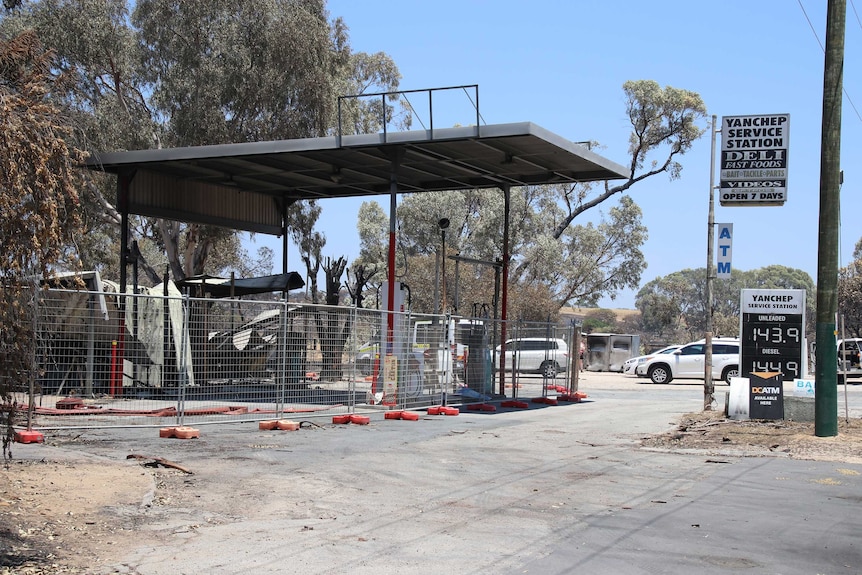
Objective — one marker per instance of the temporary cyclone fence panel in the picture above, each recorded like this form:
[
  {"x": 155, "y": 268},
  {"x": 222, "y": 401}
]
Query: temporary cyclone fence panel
[
  {"x": 540, "y": 358},
  {"x": 158, "y": 359}
]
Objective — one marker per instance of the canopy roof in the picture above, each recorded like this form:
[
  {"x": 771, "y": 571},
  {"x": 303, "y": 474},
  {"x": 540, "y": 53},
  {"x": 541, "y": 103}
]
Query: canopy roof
[
  {"x": 247, "y": 186},
  {"x": 225, "y": 287}
]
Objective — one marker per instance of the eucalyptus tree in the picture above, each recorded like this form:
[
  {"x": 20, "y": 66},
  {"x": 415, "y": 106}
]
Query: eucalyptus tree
[
  {"x": 665, "y": 124},
  {"x": 39, "y": 182},
  {"x": 674, "y": 304},
  {"x": 367, "y": 272},
  {"x": 585, "y": 263},
  {"x": 157, "y": 73},
  {"x": 850, "y": 294},
  {"x": 96, "y": 52},
  {"x": 576, "y": 263}
]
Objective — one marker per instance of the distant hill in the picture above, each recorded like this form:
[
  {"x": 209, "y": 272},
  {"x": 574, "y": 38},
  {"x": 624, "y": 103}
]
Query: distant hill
[{"x": 580, "y": 313}]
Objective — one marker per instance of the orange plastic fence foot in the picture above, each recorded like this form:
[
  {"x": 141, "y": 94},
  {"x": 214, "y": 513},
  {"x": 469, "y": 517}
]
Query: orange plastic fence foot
[
  {"x": 29, "y": 436},
  {"x": 180, "y": 432},
  {"x": 545, "y": 400},
  {"x": 443, "y": 410},
  {"x": 187, "y": 433},
  {"x": 515, "y": 403},
  {"x": 481, "y": 407},
  {"x": 287, "y": 425}
]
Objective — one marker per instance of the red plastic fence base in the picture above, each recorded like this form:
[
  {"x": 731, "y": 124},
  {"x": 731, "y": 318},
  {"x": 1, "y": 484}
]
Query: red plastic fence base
[
  {"x": 545, "y": 400},
  {"x": 443, "y": 410},
  {"x": 515, "y": 403},
  {"x": 29, "y": 436},
  {"x": 351, "y": 418},
  {"x": 180, "y": 432},
  {"x": 573, "y": 397},
  {"x": 481, "y": 407}
]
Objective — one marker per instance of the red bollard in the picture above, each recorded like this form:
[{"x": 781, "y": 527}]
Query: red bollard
[{"x": 113, "y": 385}]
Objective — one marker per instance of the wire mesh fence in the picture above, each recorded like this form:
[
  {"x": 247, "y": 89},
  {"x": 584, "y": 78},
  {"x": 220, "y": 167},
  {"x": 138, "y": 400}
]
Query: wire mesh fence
[{"x": 163, "y": 358}]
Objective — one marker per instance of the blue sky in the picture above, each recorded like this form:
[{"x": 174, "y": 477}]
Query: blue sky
[{"x": 562, "y": 64}]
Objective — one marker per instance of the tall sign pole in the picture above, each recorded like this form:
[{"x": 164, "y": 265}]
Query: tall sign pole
[
  {"x": 825, "y": 372},
  {"x": 708, "y": 384}
]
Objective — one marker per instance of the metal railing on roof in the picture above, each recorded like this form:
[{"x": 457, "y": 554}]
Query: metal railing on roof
[{"x": 403, "y": 94}]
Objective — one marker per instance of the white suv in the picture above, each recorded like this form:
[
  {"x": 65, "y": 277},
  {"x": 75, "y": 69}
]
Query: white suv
[
  {"x": 688, "y": 362},
  {"x": 536, "y": 355}
]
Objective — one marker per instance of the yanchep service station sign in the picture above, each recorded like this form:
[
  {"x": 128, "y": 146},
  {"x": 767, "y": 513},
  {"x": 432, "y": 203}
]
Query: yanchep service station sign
[{"x": 754, "y": 160}]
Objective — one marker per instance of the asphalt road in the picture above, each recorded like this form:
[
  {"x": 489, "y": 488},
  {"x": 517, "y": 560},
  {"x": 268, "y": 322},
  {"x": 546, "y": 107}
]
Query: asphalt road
[{"x": 551, "y": 489}]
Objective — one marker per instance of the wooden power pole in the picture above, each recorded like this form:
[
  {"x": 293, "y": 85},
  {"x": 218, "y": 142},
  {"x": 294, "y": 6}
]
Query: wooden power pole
[{"x": 825, "y": 373}]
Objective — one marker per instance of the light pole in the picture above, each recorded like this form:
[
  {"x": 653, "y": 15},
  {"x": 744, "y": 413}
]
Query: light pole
[{"x": 443, "y": 224}]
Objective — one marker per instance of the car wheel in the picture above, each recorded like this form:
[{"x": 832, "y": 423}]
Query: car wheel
[
  {"x": 660, "y": 374},
  {"x": 550, "y": 369},
  {"x": 731, "y": 371}
]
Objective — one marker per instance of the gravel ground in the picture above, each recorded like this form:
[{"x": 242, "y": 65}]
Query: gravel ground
[{"x": 344, "y": 495}]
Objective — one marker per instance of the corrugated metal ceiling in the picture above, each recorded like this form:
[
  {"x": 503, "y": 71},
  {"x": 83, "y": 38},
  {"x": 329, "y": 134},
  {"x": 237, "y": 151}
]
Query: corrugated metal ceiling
[{"x": 245, "y": 186}]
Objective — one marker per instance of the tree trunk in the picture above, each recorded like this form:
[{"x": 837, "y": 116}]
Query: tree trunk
[{"x": 333, "y": 335}]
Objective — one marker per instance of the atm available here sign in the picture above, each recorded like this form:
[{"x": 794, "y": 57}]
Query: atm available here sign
[{"x": 754, "y": 160}]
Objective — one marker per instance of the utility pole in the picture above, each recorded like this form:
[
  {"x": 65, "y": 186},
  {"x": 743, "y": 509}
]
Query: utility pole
[
  {"x": 825, "y": 373},
  {"x": 708, "y": 384}
]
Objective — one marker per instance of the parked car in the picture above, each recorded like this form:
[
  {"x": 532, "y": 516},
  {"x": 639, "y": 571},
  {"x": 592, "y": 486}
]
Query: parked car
[
  {"x": 850, "y": 357},
  {"x": 548, "y": 356},
  {"x": 631, "y": 365},
  {"x": 687, "y": 362}
]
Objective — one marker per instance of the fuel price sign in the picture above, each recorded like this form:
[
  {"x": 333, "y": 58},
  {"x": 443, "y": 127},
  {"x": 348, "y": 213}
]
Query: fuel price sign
[{"x": 773, "y": 333}]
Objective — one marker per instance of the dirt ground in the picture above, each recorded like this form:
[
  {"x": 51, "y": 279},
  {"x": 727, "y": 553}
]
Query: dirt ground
[
  {"x": 46, "y": 528},
  {"x": 48, "y": 525},
  {"x": 712, "y": 432}
]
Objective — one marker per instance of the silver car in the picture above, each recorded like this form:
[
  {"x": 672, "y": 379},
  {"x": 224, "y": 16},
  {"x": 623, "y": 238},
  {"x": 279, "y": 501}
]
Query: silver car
[
  {"x": 630, "y": 367},
  {"x": 547, "y": 356},
  {"x": 687, "y": 362}
]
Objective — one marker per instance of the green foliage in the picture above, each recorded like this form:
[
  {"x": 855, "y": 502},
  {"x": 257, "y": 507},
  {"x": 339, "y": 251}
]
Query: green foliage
[
  {"x": 673, "y": 307},
  {"x": 157, "y": 73},
  {"x": 223, "y": 71},
  {"x": 373, "y": 226},
  {"x": 600, "y": 320},
  {"x": 665, "y": 124},
  {"x": 662, "y": 117},
  {"x": 367, "y": 74},
  {"x": 577, "y": 264},
  {"x": 583, "y": 264},
  {"x": 602, "y": 260},
  {"x": 850, "y": 294}
]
